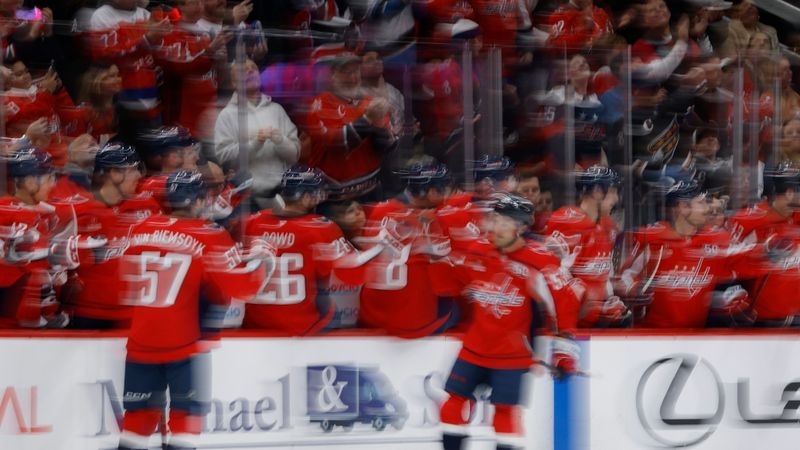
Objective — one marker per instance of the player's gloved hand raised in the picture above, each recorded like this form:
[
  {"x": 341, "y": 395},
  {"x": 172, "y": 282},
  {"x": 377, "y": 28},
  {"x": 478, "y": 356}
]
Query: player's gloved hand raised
[
  {"x": 733, "y": 305},
  {"x": 615, "y": 311},
  {"x": 565, "y": 358},
  {"x": 64, "y": 252},
  {"x": 58, "y": 320}
]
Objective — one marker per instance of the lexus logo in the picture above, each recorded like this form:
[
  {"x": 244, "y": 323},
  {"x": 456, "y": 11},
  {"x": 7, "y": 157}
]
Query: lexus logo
[{"x": 680, "y": 383}]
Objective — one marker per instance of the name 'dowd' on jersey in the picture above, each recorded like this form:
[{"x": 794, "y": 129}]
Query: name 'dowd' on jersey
[{"x": 279, "y": 239}]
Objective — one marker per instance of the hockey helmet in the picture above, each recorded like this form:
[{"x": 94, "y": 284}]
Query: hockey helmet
[
  {"x": 513, "y": 206},
  {"x": 184, "y": 187},
  {"x": 29, "y": 161}
]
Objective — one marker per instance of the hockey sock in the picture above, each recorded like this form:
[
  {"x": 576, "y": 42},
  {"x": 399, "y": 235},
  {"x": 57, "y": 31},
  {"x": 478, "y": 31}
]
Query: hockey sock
[
  {"x": 185, "y": 430},
  {"x": 508, "y": 427},
  {"x": 137, "y": 426},
  {"x": 454, "y": 414}
]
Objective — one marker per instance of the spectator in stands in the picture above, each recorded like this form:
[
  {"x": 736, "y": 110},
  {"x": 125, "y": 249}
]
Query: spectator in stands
[
  {"x": 790, "y": 99},
  {"x": 27, "y": 33},
  {"x": 743, "y": 25},
  {"x": 190, "y": 60},
  {"x": 374, "y": 85},
  {"x": 349, "y": 146},
  {"x": 26, "y": 102},
  {"x": 215, "y": 13},
  {"x": 791, "y": 140},
  {"x": 99, "y": 89},
  {"x": 659, "y": 52},
  {"x": 272, "y": 136},
  {"x": 699, "y": 17},
  {"x": 577, "y": 24},
  {"x": 125, "y": 34},
  {"x": 759, "y": 64},
  {"x": 76, "y": 177}
]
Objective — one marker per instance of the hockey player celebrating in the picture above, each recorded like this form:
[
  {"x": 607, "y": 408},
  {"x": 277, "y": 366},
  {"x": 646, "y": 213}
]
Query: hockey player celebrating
[
  {"x": 579, "y": 234},
  {"x": 307, "y": 248},
  {"x": 170, "y": 261},
  {"x": 166, "y": 150},
  {"x": 400, "y": 290},
  {"x": 493, "y": 174},
  {"x": 28, "y": 223},
  {"x": 678, "y": 266},
  {"x": 773, "y": 225},
  {"x": 109, "y": 213},
  {"x": 503, "y": 276}
]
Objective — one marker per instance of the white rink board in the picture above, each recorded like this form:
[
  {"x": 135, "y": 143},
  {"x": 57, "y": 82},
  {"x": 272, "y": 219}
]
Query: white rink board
[
  {"x": 664, "y": 392},
  {"x": 66, "y": 392}
]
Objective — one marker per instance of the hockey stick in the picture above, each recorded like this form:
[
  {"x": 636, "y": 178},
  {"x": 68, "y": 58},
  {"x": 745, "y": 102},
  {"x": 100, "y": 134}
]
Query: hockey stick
[
  {"x": 649, "y": 281},
  {"x": 557, "y": 374}
]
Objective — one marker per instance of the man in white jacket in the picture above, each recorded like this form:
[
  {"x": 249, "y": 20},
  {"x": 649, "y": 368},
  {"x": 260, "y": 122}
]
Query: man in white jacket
[{"x": 272, "y": 137}]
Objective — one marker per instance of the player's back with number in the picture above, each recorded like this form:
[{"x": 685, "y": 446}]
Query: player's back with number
[
  {"x": 305, "y": 248},
  {"x": 167, "y": 265},
  {"x": 399, "y": 294}
]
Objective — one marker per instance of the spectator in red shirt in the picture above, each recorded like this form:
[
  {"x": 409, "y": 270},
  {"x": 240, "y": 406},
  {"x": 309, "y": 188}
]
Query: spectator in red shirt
[
  {"x": 190, "y": 61},
  {"x": 576, "y": 24},
  {"x": 26, "y": 102},
  {"x": 97, "y": 100},
  {"x": 350, "y": 133}
]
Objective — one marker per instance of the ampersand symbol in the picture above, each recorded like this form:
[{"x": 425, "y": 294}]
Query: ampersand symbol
[{"x": 328, "y": 397}]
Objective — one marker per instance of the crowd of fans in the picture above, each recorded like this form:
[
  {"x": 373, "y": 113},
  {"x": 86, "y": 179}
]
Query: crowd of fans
[{"x": 657, "y": 120}]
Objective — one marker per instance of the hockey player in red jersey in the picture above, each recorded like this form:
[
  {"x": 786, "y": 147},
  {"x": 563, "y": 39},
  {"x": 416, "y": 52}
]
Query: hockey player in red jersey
[
  {"x": 166, "y": 150},
  {"x": 772, "y": 225},
  {"x": 503, "y": 276},
  {"x": 28, "y": 295},
  {"x": 170, "y": 261},
  {"x": 401, "y": 289},
  {"x": 678, "y": 265},
  {"x": 576, "y": 234},
  {"x": 307, "y": 246},
  {"x": 108, "y": 212}
]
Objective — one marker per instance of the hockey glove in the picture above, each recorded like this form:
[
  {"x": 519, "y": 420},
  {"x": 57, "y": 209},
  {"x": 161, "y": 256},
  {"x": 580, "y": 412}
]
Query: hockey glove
[{"x": 566, "y": 357}]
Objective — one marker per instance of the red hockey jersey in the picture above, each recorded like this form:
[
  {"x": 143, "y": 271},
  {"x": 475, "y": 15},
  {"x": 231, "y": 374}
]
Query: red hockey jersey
[
  {"x": 168, "y": 263},
  {"x": 400, "y": 292},
  {"x": 306, "y": 249},
  {"x": 682, "y": 273},
  {"x": 29, "y": 292},
  {"x": 576, "y": 236},
  {"x": 777, "y": 265},
  {"x": 574, "y": 30},
  {"x": 502, "y": 288},
  {"x": 96, "y": 285}
]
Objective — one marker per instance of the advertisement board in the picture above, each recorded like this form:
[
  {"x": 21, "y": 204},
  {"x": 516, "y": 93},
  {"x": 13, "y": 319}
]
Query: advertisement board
[
  {"x": 724, "y": 392},
  {"x": 336, "y": 392}
]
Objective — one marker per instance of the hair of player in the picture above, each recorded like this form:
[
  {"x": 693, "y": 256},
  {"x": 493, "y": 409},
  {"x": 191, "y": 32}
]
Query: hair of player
[
  {"x": 525, "y": 174},
  {"x": 332, "y": 210}
]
